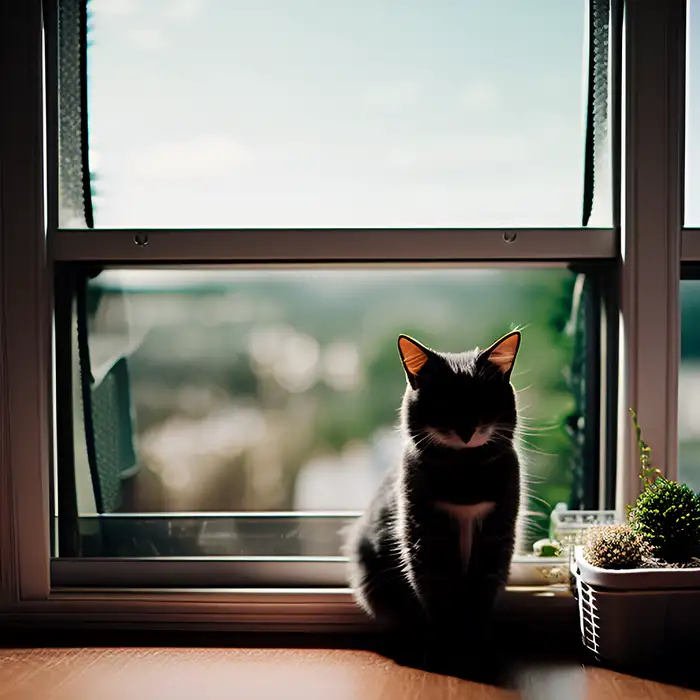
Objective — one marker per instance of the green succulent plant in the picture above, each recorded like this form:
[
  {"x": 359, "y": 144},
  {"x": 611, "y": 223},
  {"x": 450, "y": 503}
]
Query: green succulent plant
[
  {"x": 647, "y": 473},
  {"x": 615, "y": 547},
  {"x": 667, "y": 515}
]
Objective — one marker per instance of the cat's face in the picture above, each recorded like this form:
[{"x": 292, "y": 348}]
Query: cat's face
[{"x": 460, "y": 401}]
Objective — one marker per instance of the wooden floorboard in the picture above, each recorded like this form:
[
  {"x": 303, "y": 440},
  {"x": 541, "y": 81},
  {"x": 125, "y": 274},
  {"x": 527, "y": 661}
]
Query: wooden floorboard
[{"x": 106, "y": 672}]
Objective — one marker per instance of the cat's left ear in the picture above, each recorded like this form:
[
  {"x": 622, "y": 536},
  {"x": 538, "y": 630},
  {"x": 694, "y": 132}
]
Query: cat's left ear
[
  {"x": 503, "y": 353},
  {"x": 414, "y": 357}
]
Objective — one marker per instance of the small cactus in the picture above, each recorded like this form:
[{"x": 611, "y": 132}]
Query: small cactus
[
  {"x": 667, "y": 515},
  {"x": 615, "y": 547}
]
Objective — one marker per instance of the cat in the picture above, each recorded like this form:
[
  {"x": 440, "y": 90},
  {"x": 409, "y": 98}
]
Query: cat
[{"x": 429, "y": 556}]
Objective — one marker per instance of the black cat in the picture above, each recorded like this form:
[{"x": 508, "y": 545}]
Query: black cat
[{"x": 432, "y": 551}]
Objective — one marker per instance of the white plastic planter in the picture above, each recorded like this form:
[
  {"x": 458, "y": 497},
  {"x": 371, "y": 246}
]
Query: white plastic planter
[{"x": 637, "y": 617}]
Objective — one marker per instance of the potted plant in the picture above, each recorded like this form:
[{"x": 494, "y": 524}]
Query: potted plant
[{"x": 638, "y": 582}]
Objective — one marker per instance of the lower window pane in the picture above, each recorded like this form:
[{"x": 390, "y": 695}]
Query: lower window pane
[
  {"x": 252, "y": 413},
  {"x": 212, "y": 534},
  {"x": 689, "y": 386}
]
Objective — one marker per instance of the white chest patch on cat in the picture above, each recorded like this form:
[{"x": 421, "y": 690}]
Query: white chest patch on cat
[{"x": 469, "y": 518}]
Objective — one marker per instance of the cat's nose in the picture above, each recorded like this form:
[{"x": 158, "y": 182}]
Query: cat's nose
[{"x": 465, "y": 435}]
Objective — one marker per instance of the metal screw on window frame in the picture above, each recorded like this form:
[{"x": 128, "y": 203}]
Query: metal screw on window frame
[
  {"x": 141, "y": 239},
  {"x": 509, "y": 236}
]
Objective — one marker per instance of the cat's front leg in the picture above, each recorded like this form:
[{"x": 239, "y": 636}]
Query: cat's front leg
[{"x": 464, "y": 644}]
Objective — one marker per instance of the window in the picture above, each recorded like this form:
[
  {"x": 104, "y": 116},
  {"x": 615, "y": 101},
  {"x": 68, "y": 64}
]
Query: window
[
  {"x": 190, "y": 436},
  {"x": 447, "y": 151},
  {"x": 251, "y": 413},
  {"x": 403, "y": 125}
]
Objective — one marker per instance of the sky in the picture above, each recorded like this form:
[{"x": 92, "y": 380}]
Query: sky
[{"x": 337, "y": 113}]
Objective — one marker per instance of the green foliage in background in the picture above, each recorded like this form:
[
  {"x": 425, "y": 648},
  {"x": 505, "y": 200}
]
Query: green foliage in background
[{"x": 198, "y": 341}]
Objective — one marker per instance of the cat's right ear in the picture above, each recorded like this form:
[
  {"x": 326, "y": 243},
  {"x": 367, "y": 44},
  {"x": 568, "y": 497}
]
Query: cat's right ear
[{"x": 413, "y": 357}]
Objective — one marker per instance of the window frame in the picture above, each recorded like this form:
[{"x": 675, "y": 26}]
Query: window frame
[
  {"x": 651, "y": 227},
  {"x": 648, "y": 99}
]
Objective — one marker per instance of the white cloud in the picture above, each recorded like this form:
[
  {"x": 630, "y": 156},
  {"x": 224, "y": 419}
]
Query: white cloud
[
  {"x": 114, "y": 8},
  {"x": 479, "y": 97},
  {"x": 501, "y": 149},
  {"x": 137, "y": 12},
  {"x": 183, "y": 10},
  {"x": 147, "y": 38},
  {"x": 391, "y": 96},
  {"x": 208, "y": 156},
  {"x": 176, "y": 10},
  {"x": 95, "y": 158}
]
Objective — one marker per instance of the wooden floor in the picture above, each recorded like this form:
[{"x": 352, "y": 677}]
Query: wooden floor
[{"x": 210, "y": 673}]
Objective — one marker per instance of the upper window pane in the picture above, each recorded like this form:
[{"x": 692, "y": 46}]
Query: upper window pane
[
  {"x": 221, "y": 113},
  {"x": 692, "y": 136}
]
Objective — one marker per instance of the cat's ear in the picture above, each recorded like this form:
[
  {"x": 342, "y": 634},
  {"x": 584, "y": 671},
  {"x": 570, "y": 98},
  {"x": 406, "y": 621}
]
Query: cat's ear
[
  {"x": 414, "y": 357},
  {"x": 503, "y": 352}
]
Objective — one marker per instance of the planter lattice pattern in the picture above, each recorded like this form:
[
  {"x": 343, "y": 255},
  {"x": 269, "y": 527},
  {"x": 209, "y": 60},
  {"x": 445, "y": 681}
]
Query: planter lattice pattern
[{"x": 590, "y": 627}]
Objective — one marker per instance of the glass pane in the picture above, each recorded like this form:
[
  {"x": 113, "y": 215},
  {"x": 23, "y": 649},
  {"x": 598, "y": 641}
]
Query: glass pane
[
  {"x": 688, "y": 386},
  {"x": 692, "y": 131},
  {"x": 330, "y": 115},
  {"x": 234, "y": 391},
  {"x": 212, "y": 535}
]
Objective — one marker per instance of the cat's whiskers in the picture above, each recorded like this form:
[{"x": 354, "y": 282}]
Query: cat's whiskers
[
  {"x": 425, "y": 438},
  {"x": 536, "y": 478},
  {"x": 523, "y": 444},
  {"x": 535, "y": 428},
  {"x": 501, "y": 437},
  {"x": 532, "y": 424},
  {"x": 522, "y": 417},
  {"x": 537, "y": 498},
  {"x": 533, "y": 448},
  {"x": 535, "y": 431}
]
